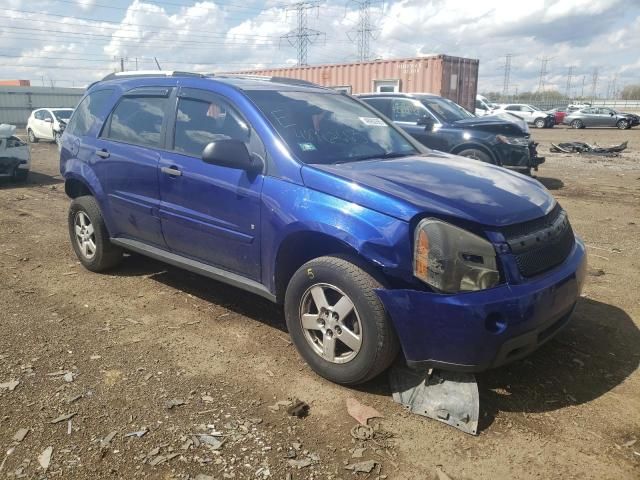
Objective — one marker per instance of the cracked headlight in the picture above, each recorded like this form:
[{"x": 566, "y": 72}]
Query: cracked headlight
[
  {"x": 521, "y": 141},
  {"x": 451, "y": 259}
]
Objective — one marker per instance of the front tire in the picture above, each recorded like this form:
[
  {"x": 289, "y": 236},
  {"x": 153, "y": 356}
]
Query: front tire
[
  {"x": 539, "y": 123},
  {"x": 623, "y": 124},
  {"x": 89, "y": 236},
  {"x": 476, "y": 155},
  {"x": 337, "y": 322},
  {"x": 32, "y": 136},
  {"x": 577, "y": 124}
]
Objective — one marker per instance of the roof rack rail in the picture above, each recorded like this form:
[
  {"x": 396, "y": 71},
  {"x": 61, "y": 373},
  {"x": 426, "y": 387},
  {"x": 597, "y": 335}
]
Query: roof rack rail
[
  {"x": 154, "y": 73},
  {"x": 269, "y": 78}
]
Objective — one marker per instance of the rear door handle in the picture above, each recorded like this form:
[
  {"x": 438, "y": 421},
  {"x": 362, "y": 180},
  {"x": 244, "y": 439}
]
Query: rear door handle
[
  {"x": 174, "y": 172},
  {"x": 102, "y": 153}
]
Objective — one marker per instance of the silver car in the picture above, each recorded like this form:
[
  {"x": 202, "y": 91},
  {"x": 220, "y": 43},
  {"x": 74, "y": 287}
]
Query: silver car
[{"x": 601, "y": 117}]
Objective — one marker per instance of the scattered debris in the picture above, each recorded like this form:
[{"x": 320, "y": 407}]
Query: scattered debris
[
  {"x": 299, "y": 409},
  {"x": 596, "y": 272},
  {"x": 6, "y": 455},
  {"x": 302, "y": 463},
  {"x": 362, "y": 467},
  {"x": 106, "y": 441},
  {"x": 585, "y": 148},
  {"x": 162, "y": 459},
  {"x": 278, "y": 404},
  {"x": 202, "y": 476},
  {"x": 44, "y": 459},
  {"x": 362, "y": 413},
  {"x": 210, "y": 440},
  {"x": 68, "y": 377},
  {"x": 441, "y": 474},
  {"x": 64, "y": 417},
  {"x": 11, "y": 385},
  {"x": 449, "y": 397},
  {"x": 175, "y": 402},
  {"x": 20, "y": 434},
  {"x": 139, "y": 433},
  {"x": 630, "y": 443},
  {"x": 358, "y": 452},
  {"x": 362, "y": 432}
]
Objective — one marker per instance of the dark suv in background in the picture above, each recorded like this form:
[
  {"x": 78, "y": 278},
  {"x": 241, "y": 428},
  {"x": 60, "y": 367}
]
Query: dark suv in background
[{"x": 444, "y": 125}]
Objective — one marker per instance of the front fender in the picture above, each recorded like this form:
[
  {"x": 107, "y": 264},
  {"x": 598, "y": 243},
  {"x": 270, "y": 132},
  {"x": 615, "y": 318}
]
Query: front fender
[{"x": 290, "y": 208}]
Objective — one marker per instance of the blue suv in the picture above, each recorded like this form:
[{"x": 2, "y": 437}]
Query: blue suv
[{"x": 308, "y": 197}]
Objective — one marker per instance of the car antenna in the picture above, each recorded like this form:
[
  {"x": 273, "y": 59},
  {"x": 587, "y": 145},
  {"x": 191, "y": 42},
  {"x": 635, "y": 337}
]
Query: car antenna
[{"x": 157, "y": 63}]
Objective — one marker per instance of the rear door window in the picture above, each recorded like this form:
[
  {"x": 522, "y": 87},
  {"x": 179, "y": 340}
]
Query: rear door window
[
  {"x": 383, "y": 105},
  {"x": 138, "y": 120}
]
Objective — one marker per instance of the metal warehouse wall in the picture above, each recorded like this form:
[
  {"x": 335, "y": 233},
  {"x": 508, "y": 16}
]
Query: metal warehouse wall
[
  {"x": 17, "y": 103},
  {"x": 455, "y": 78}
]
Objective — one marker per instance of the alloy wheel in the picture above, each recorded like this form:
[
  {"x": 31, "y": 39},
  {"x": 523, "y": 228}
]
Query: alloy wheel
[
  {"x": 85, "y": 235},
  {"x": 330, "y": 323}
]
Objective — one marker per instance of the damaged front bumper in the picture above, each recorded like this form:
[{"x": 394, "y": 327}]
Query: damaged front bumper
[
  {"x": 475, "y": 331},
  {"x": 522, "y": 158}
]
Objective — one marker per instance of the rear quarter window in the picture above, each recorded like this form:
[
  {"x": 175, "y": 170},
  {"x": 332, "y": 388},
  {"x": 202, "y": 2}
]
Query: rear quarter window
[{"x": 87, "y": 113}]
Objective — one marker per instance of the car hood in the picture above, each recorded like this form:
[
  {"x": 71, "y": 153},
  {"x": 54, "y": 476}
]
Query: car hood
[
  {"x": 437, "y": 184},
  {"x": 500, "y": 123}
]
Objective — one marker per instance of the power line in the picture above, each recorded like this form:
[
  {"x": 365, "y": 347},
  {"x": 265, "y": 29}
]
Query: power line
[
  {"x": 302, "y": 36},
  {"x": 594, "y": 83}
]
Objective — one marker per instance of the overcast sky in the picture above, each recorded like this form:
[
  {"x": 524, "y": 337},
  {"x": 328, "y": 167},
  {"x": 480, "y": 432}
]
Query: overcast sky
[{"x": 74, "y": 42}]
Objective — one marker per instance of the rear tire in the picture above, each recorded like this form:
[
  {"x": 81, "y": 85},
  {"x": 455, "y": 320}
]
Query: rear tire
[
  {"x": 89, "y": 236},
  {"x": 347, "y": 348},
  {"x": 32, "y": 136},
  {"x": 476, "y": 155},
  {"x": 577, "y": 124},
  {"x": 539, "y": 123}
]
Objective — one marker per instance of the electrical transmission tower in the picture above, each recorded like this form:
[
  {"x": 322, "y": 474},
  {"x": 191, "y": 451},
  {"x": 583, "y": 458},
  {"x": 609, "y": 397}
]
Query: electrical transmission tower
[
  {"x": 302, "y": 36},
  {"x": 507, "y": 74},
  {"x": 569, "y": 78},
  {"x": 594, "y": 83},
  {"x": 364, "y": 33},
  {"x": 544, "y": 61}
]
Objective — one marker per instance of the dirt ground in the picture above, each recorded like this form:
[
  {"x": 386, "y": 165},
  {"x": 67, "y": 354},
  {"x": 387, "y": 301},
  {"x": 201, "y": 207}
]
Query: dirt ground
[{"x": 200, "y": 366}]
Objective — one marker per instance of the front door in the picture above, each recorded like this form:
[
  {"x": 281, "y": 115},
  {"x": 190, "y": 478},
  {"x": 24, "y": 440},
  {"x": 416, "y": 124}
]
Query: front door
[
  {"x": 208, "y": 212},
  {"x": 407, "y": 113}
]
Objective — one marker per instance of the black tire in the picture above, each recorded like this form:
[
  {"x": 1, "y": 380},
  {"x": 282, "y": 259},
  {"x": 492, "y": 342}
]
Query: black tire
[
  {"x": 20, "y": 175},
  {"x": 476, "y": 154},
  {"x": 540, "y": 123},
  {"x": 379, "y": 344},
  {"x": 577, "y": 124},
  {"x": 32, "y": 136},
  {"x": 106, "y": 255},
  {"x": 623, "y": 124}
]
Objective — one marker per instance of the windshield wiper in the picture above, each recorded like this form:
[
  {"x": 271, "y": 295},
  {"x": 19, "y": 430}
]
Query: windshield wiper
[{"x": 383, "y": 156}]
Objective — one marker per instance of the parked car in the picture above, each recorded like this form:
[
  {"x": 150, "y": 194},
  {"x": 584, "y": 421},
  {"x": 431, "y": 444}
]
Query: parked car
[
  {"x": 601, "y": 117},
  {"x": 483, "y": 107},
  {"x": 577, "y": 106},
  {"x": 558, "y": 114},
  {"x": 308, "y": 197},
  {"x": 532, "y": 115},
  {"x": 47, "y": 123},
  {"x": 15, "y": 157},
  {"x": 443, "y": 125}
]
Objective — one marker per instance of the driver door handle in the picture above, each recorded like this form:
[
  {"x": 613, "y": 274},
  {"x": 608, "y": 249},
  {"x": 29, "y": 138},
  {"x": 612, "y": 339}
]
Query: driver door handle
[
  {"x": 173, "y": 171},
  {"x": 102, "y": 153}
]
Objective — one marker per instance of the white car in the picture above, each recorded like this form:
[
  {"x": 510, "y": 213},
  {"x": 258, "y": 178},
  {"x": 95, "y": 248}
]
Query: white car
[
  {"x": 532, "y": 115},
  {"x": 15, "y": 157},
  {"x": 47, "y": 123}
]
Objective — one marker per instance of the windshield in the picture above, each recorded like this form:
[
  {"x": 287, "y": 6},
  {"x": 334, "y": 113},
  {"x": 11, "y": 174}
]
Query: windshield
[
  {"x": 445, "y": 109},
  {"x": 62, "y": 114},
  {"x": 330, "y": 128}
]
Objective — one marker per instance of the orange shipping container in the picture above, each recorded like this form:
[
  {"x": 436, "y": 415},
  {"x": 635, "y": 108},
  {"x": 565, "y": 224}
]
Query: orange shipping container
[
  {"x": 15, "y": 83},
  {"x": 455, "y": 78}
]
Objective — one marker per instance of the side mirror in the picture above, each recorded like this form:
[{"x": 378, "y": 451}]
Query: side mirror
[
  {"x": 232, "y": 154},
  {"x": 426, "y": 122}
]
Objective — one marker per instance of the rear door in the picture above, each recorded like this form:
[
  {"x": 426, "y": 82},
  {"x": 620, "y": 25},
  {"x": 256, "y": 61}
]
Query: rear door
[
  {"x": 590, "y": 117},
  {"x": 209, "y": 212},
  {"x": 127, "y": 155}
]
